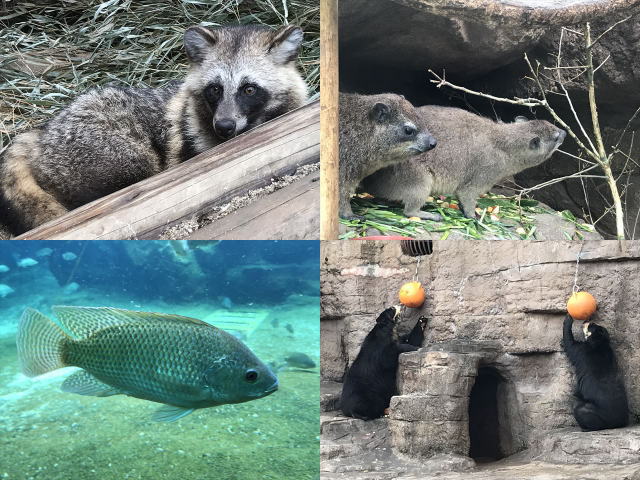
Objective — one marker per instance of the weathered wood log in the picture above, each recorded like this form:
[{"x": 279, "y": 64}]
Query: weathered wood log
[
  {"x": 145, "y": 209},
  {"x": 291, "y": 213}
]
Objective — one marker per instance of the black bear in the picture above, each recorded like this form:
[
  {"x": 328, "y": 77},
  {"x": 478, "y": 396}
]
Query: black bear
[
  {"x": 371, "y": 381},
  {"x": 600, "y": 397}
]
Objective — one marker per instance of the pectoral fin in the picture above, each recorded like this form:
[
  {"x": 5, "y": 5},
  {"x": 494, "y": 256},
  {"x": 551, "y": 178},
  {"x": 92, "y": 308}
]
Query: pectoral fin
[
  {"x": 170, "y": 413},
  {"x": 83, "y": 383}
]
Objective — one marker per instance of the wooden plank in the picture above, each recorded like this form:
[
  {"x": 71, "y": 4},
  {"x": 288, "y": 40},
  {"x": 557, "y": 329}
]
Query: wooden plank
[
  {"x": 329, "y": 119},
  {"x": 291, "y": 213},
  {"x": 247, "y": 162}
]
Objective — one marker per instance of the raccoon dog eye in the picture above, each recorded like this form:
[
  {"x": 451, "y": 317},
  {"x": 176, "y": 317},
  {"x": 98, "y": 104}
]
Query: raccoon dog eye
[
  {"x": 251, "y": 376},
  {"x": 249, "y": 90},
  {"x": 212, "y": 92},
  {"x": 408, "y": 131}
]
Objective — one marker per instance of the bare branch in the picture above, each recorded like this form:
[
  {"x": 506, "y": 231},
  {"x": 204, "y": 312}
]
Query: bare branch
[
  {"x": 525, "y": 102},
  {"x": 590, "y": 45}
]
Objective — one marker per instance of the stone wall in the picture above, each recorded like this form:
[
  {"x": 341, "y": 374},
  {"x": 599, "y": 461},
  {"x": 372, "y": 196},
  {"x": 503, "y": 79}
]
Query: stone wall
[{"x": 495, "y": 305}]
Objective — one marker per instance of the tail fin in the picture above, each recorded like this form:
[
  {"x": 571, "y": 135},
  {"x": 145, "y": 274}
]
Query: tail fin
[
  {"x": 40, "y": 344},
  {"x": 26, "y": 200}
]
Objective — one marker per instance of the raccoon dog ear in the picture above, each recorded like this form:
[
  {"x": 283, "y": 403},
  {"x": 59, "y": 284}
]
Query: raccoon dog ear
[
  {"x": 197, "y": 40},
  {"x": 285, "y": 44},
  {"x": 380, "y": 112}
]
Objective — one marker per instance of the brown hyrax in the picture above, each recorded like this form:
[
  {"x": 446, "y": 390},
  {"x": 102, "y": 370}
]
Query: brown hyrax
[
  {"x": 376, "y": 131},
  {"x": 474, "y": 153}
]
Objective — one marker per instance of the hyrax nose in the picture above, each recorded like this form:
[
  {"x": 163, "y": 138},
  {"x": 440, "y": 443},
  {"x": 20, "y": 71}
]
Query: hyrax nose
[
  {"x": 432, "y": 143},
  {"x": 225, "y": 128}
]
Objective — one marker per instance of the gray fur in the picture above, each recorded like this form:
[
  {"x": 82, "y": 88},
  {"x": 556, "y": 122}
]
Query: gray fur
[
  {"x": 372, "y": 137},
  {"x": 112, "y": 137},
  {"x": 473, "y": 154}
]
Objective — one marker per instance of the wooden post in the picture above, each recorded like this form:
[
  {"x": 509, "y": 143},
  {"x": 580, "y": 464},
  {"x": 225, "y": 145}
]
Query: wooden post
[
  {"x": 249, "y": 161},
  {"x": 329, "y": 132}
]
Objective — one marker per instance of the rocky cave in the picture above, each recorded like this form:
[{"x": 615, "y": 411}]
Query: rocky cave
[{"x": 388, "y": 45}]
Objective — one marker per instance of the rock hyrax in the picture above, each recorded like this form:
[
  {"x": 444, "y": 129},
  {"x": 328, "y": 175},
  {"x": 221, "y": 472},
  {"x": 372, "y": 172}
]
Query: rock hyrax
[
  {"x": 376, "y": 131},
  {"x": 474, "y": 153}
]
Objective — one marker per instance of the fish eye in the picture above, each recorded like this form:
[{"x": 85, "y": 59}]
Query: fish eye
[
  {"x": 251, "y": 376},
  {"x": 249, "y": 90}
]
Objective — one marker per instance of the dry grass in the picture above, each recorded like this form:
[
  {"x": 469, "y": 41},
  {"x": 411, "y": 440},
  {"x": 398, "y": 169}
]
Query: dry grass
[{"x": 52, "y": 50}]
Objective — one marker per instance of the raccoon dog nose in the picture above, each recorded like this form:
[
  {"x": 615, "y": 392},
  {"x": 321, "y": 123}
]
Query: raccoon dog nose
[{"x": 225, "y": 128}]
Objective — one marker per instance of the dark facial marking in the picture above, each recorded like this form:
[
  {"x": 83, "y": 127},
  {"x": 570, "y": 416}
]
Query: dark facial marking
[{"x": 251, "y": 100}]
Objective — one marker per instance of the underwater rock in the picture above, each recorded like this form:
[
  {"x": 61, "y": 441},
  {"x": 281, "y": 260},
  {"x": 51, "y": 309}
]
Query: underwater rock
[{"x": 181, "y": 362}]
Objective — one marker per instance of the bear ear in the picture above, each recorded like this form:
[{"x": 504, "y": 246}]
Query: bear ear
[
  {"x": 380, "y": 112},
  {"x": 197, "y": 41},
  {"x": 520, "y": 119},
  {"x": 285, "y": 44}
]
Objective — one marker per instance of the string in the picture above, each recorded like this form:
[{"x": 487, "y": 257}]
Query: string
[
  {"x": 415, "y": 275},
  {"x": 576, "y": 287}
]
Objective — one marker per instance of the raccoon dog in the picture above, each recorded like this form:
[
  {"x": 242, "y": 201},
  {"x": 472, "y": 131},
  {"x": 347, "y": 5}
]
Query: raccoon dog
[{"x": 112, "y": 137}]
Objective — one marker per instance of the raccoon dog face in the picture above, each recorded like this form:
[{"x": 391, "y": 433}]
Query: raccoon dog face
[{"x": 243, "y": 76}]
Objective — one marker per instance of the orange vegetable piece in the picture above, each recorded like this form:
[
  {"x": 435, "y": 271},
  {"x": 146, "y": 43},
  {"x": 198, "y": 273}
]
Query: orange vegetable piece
[
  {"x": 581, "y": 305},
  {"x": 412, "y": 294}
]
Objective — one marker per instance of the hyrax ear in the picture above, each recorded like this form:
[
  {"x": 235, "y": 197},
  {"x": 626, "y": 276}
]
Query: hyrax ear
[
  {"x": 520, "y": 119},
  {"x": 197, "y": 41},
  {"x": 285, "y": 44},
  {"x": 380, "y": 112}
]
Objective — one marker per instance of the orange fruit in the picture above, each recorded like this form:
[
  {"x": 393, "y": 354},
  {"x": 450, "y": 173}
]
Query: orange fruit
[
  {"x": 412, "y": 294},
  {"x": 581, "y": 305}
]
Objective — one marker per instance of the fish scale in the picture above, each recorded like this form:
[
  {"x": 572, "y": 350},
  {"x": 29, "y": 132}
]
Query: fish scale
[{"x": 179, "y": 361}]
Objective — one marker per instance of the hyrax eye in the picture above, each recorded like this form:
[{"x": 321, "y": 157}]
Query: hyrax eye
[
  {"x": 249, "y": 90},
  {"x": 251, "y": 376},
  {"x": 534, "y": 143},
  {"x": 408, "y": 130}
]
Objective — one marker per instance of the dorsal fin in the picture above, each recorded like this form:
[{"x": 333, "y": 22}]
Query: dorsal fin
[{"x": 84, "y": 321}]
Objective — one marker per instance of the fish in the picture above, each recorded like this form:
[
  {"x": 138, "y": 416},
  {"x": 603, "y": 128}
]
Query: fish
[
  {"x": 4, "y": 269},
  {"x": 44, "y": 252},
  {"x": 299, "y": 360},
  {"x": 181, "y": 362},
  {"x": 5, "y": 290},
  {"x": 71, "y": 288},
  {"x": 226, "y": 303},
  {"x": 183, "y": 248},
  {"x": 289, "y": 328},
  {"x": 68, "y": 256},
  {"x": 26, "y": 262}
]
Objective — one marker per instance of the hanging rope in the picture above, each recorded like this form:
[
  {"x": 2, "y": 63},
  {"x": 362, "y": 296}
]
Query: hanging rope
[
  {"x": 576, "y": 287},
  {"x": 415, "y": 275}
]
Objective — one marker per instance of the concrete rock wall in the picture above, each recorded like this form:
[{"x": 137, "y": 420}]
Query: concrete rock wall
[{"x": 497, "y": 305}]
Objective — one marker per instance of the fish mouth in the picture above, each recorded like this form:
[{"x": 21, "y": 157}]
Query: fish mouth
[{"x": 271, "y": 389}]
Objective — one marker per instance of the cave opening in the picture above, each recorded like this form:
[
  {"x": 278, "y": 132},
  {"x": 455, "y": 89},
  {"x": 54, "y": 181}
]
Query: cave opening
[{"x": 487, "y": 427}]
